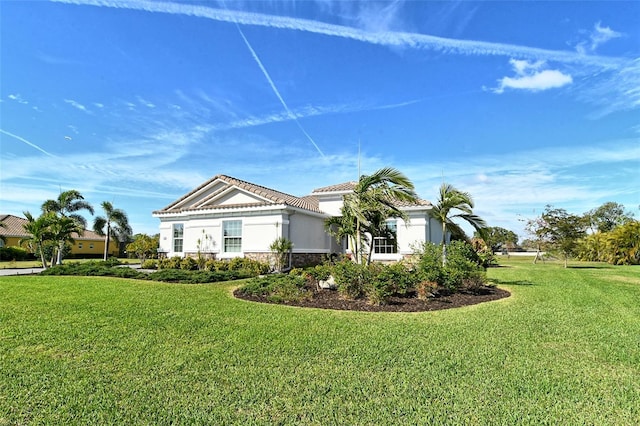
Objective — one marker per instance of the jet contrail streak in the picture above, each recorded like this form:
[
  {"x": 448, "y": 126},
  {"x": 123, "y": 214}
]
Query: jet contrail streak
[
  {"x": 276, "y": 91},
  {"x": 33, "y": 145}
]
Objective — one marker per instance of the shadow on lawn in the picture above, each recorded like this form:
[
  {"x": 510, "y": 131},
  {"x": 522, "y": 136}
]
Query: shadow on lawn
[{"x": 511, "y": 282}]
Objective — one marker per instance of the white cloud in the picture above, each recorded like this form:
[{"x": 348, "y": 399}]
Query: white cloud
[
  {"x": 76, "y": 105},
  {"x": 385, "y": 38},
  {"x": 597, "y": 37},
  {"x": 18, "y": 99},
  {"x": 531, "y": 76}
]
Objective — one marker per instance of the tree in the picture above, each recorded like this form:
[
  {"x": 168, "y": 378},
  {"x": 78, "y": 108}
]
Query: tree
[
  {"x": 497, "y": 238},
  {"x": 455, "y": 204},
  {"x": 39, "y": 230},
  {"x": 374, "y": 196},
  {"x": 281, "y": 247},
  {"x": 563, "y": 231},
  {"x": 114, "y": 223},
  {"x": 622, "y": 246},
  {"x": 606, "y": 217},
  {"x": 67, "y": 205},
  {"x": 62, "y": 230},
  {"x": 144, "y": 246}
]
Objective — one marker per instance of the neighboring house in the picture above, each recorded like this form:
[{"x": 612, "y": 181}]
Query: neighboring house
[
  {"x": 89, "y": 244},
  {"x": 227, "y": 217}
]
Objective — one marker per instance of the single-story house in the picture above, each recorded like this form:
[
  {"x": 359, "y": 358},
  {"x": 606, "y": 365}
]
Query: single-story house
[
  {"x": 227, "y": 217},
  {"x": 89, "y": 244}
]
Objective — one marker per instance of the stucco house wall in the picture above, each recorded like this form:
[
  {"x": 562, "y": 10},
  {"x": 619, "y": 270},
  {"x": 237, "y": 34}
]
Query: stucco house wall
[{"x": 266, "y": 214}]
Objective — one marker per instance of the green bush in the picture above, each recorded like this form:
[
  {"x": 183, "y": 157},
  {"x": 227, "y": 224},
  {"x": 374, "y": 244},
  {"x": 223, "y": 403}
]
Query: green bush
[
  {"x": 351, "y": 278},
  {"x": 170, "y": 262},
  {"x": 188, "y": 264},
  {"x": 253, "y": 266},
  {"x": 149, "y": 264},
  {"x": 216, "y": 265},
  {"x": 320, "y": 272},
  {"x": 463, "y": 263},
  {"x": 94, "y": 268},
  {"x": 15, "y": 253},
  {"x": 196, "y": 277},
  {"x": 277, "y": 288}
]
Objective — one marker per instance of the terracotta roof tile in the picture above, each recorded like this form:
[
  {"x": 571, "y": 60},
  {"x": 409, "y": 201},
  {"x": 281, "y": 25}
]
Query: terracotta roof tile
[
  {"x": 14, "y": 228},
  {"x": 340, "y": 187}
]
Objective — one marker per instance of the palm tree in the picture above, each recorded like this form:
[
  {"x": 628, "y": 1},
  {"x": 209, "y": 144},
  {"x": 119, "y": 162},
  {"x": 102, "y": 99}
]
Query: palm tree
[
  {"x": 452, "y": 204},
  {"x": 39, "y": 230},
  {"x": 374, "y": 196},
  {"x": 114, "y": 224},
  {"x": 68, "y": 204},
  {"x": 62, "y": 230}
]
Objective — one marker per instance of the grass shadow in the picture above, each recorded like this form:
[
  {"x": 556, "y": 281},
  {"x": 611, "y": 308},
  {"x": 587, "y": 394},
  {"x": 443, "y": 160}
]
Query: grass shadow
[{"x": 511, "y": 282}]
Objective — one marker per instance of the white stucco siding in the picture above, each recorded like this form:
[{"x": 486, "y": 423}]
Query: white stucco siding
[
  {"x": 331, "y": 204},
  {"x": 258, "y": 232},
  {"x": 237, "y": 197},
  {"x": 307, "y": 234}
]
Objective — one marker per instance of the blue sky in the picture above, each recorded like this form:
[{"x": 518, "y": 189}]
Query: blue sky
[{"x": 522, "y": 104}]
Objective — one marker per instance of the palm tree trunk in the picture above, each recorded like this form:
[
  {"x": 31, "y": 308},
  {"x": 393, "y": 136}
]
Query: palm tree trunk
[
  {"x": 444, "y": 244},
  {"x": 106, "y": 242}
]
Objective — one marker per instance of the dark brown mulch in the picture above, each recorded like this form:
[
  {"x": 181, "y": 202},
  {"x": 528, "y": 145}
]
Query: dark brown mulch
[{"x": 331, "y": 299}]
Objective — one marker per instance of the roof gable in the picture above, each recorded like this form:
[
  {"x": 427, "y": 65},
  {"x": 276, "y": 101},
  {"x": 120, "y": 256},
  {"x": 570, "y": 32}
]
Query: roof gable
[{"x": 223, "y": 191}]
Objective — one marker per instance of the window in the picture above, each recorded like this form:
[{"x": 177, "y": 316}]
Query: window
[
  {"x": 80, "y": 246},
  {"x": 178, "y": 233},
  {"x": 232, "y": 236},
  {"x": 90, "y": 246},
  {"x": 387, "y": 245}
]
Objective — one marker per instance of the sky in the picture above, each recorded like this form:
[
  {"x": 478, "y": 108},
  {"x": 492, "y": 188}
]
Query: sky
[{"x": 521, "y": 104}]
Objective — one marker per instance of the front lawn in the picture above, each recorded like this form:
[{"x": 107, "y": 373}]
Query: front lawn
[{"x": 563, "y": 349}]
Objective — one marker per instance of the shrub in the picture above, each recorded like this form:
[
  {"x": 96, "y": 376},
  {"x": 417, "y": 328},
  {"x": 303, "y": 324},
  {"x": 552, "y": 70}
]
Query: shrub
[
  {"x": 351, "y": 279},
  {"x": 149, "y": 264},
  {"x": 426, "y": 289},
  {"x": 277, "y": 288},
  {"x": 188, "y": 264},
  {"x": 170, "y": 262},
  {"x": 14, "y": 253},
  {"x": 196, "y": 277},
  {"x": 253, "y": 266},
  {"x": 94, "y": 268},
  {"x": 216, "y": 265},
  {"x": 320, "y": 272}
]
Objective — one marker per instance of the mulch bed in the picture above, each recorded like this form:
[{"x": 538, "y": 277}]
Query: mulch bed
[{"x": 331, "y": 299}]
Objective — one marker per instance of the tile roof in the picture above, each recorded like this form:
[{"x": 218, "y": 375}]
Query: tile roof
[
  {"x": 14, "y": 228},
  {"x": 270, "y": 195},
  {"x": 340, "y": 187}
]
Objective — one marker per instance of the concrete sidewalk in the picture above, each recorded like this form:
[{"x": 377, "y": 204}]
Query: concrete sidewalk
[{"x": 20, "y": 271}]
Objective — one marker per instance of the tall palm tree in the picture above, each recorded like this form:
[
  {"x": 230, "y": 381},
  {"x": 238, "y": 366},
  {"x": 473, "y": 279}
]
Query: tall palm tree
[
  {"x": 68, "y": 204},
  {"x": 455, "y": 204},
  {"x": 39, "y": 230},
  {"x": 374, "y": 195},
  {"x": 115, "y": 223}
]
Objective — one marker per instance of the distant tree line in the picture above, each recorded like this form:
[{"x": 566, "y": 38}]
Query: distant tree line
[{"x": 608, "y": 233}]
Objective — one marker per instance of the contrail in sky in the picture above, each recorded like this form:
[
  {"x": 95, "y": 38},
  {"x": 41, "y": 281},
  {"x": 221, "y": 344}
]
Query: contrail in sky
[
  {"x": 276, "y": 91},
  {"x": 385, "y": 38},
  {"x": 27, "y": 142}
]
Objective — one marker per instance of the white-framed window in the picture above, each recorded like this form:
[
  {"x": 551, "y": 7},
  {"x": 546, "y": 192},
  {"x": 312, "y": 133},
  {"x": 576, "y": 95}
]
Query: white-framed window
[
  {"x": 178, "y": 235},
  {"x": 232, "y": 236},
  {"x": 387, "y": 245},
  {"x": 80, "y": 246},
  {"x": 91, "y": 246}
]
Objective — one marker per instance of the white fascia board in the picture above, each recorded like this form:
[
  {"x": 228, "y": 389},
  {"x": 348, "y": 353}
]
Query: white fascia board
[{"x": 238, "y": 211}]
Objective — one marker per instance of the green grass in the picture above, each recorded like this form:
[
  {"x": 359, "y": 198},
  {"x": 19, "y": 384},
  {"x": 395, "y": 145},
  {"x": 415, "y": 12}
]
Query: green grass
[
  {"x": 564, "y": 349},
  {"x": 22, "y": 264}
]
